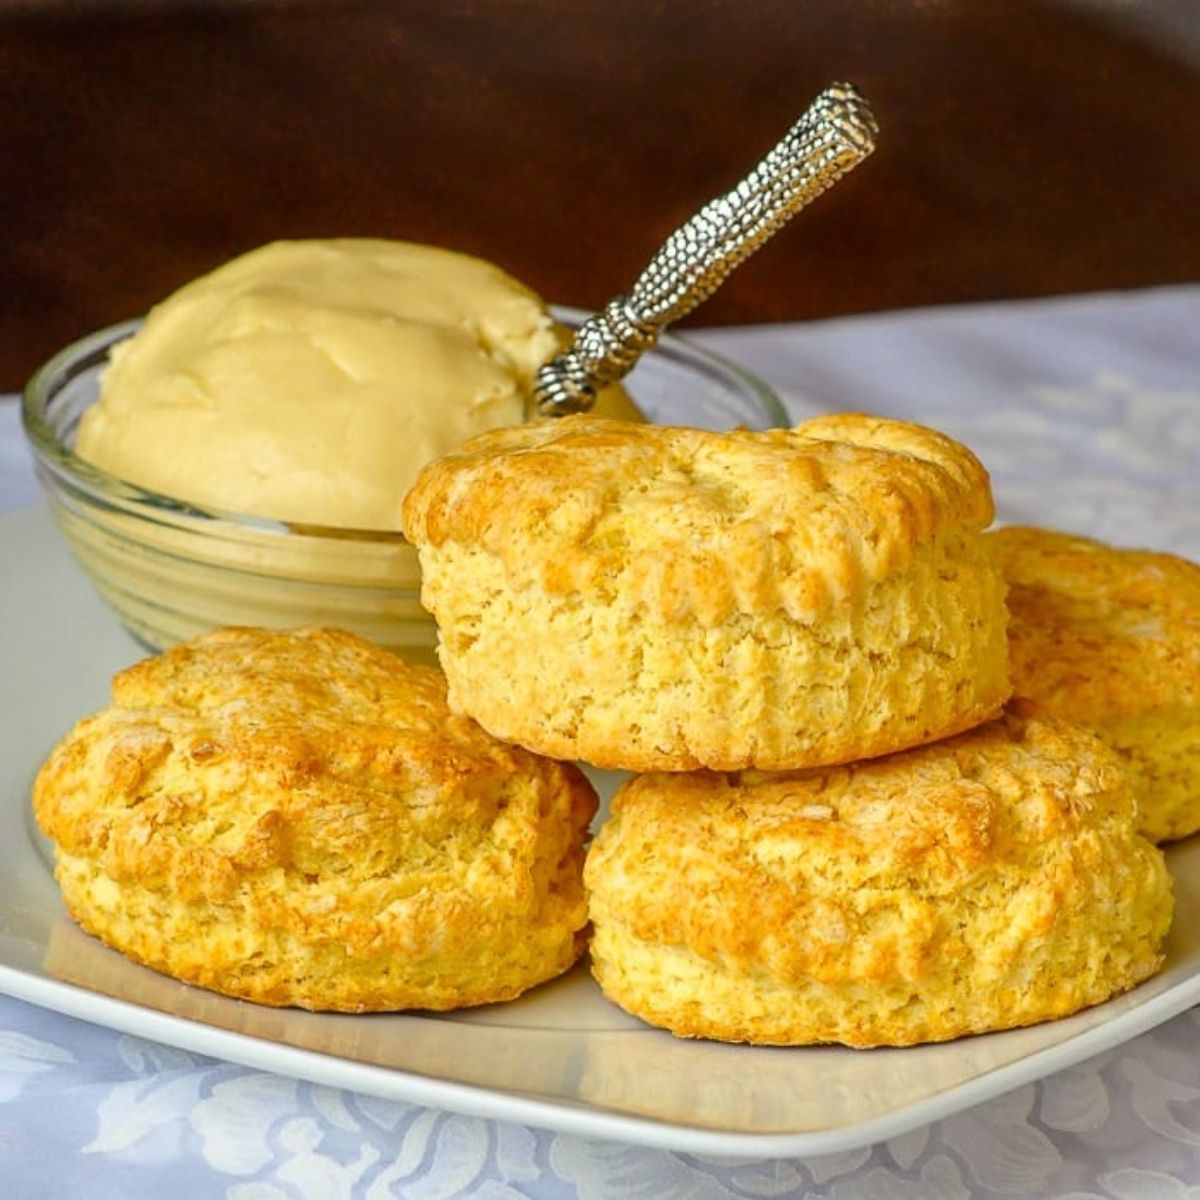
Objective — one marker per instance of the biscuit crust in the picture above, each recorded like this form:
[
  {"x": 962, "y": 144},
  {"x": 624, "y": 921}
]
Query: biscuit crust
[
  {"x": 297, "y": 819},
  {"x": 1110, "y": 638},
  {"x": 988, "y": 881},
  {"x": 657, "y": 598}
]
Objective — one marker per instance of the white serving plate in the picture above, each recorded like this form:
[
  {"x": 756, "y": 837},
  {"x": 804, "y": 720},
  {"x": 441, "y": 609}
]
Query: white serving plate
[{"x": 561, "y": 1057}]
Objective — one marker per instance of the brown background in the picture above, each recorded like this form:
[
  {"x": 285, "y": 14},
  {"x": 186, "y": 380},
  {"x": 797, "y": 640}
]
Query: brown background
[{"x": 1027, "y": 148}]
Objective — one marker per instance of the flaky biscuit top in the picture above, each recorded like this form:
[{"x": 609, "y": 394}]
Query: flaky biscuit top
[
  {"x": 702, "y": 522},
  {"x": 1097, "y": 631},
  {"x": 929, "y": 816},
  {"x": 731, "y": 864},
  {"x": 313, "y": 753}
]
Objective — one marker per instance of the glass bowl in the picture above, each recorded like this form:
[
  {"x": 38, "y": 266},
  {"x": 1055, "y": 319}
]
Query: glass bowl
[{"x": 171, "y": 570}]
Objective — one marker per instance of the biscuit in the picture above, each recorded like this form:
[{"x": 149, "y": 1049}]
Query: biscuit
[
  {"x": 992, "y": 880},
  {"x": 1110, "y": 639},
  {"x": 297, "y": 819},
  {"x": 656, "y": 598}
]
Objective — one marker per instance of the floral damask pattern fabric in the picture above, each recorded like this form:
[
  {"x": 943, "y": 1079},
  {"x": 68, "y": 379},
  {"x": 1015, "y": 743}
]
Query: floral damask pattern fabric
[
  {"x": 120, "y": 1117},
  {"x": 1087, "y": 413}
]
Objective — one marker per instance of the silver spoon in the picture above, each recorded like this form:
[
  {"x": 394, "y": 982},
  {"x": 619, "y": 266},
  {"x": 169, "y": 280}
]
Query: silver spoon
[{"x": 833, "y": 136}]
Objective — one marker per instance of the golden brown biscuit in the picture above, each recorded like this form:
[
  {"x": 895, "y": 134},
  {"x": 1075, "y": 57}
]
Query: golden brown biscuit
[
  {"x": 296, "y": 818},
  {"x": 992, "y": 880},
  {"x": 647, "y": 597},
  {"x": 1110, "y": 639}
]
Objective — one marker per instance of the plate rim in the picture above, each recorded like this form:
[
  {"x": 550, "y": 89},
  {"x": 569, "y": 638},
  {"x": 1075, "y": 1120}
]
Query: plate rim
[{"x": 579, "y": 1118}]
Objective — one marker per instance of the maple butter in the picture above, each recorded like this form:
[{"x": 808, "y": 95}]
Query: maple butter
[{"x": 309, "y": 381}]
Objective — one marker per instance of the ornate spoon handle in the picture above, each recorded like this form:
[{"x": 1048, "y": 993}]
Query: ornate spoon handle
[{"x": 833, "y": 136}]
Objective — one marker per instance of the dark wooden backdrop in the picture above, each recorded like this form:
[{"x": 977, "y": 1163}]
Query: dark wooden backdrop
[{"x": 1027, "y": 148}]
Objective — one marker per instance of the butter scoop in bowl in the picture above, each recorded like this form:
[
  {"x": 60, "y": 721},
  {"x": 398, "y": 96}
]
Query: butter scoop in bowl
[
  {"x": 309, "y": 381},
  {"x": 240, "y": 457}
]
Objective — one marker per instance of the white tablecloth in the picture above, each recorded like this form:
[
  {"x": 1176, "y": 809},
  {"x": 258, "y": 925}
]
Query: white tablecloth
[{"x": 1087, "y": 412}]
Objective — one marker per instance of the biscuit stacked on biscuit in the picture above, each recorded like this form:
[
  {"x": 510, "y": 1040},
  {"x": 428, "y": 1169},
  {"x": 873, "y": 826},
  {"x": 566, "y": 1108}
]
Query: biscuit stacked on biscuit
[
  {"x": 655, "y": 598},
  {"x": 747, "y": 617},
  {"x": 985, "y": 882},
  {"x": 297, "y": 819},
  {"x": 1110, "y": 639}
]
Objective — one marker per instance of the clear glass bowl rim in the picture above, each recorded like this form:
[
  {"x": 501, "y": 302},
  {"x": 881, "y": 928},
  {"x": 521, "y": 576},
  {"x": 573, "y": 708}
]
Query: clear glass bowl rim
[{"x": 105, "y": 488}]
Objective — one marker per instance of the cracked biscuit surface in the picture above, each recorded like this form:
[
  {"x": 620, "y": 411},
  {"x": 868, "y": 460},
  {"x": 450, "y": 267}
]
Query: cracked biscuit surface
[
  {"x": 297, "y": 819},
  {"x": 1110, "y": 638},
  {"x": 992, "y": 880},
  {"x": 658, "y": 598}
]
